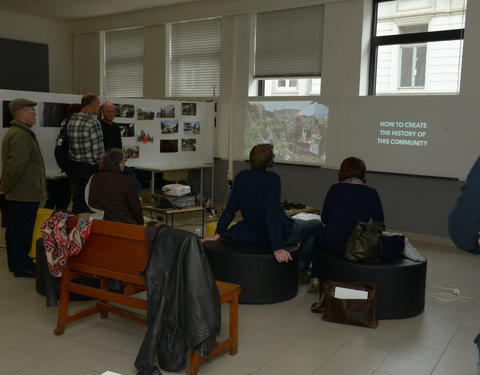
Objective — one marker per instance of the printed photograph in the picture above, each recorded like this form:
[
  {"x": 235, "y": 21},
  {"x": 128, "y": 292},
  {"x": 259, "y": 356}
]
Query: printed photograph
[
  {"x": 127, "y": 130},
  {"x": 53, "y": 114},
  {"x": 189, "y": 109},
  {"x": 168, "y": 145},
  {"x": 7, "y": 117},
  {"x": 169, "y": 126},
  {"x": 124, "y": 110},
  {"x": 145, "y": 114},
  {"x": 131, "y": 152},
  {"x": 189, "y": 144},
  {"x": 191, "y": 127},
  {"x": 143, "y": 137},
  {"x": 167, "y": 111}
]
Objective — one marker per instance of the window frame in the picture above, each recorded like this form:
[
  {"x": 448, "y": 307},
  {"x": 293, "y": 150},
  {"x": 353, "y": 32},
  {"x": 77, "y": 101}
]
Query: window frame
[
  {"x": 265, "y": 21},
  {"x": 175, "y": 88},
  {"x": 414, "y": 48},
  {"x": 401, "y": 39},
  {"x": 139, "y": 60}
]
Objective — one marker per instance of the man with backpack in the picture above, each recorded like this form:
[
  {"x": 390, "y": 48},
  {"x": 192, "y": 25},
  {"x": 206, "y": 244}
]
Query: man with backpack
[{"x": 85, "y": 149}]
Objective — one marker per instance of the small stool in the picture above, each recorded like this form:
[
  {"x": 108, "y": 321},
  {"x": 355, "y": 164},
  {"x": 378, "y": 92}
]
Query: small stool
[
  {"x": 42, "y": 215},
  {"x": 401, "y": 283},
  {"x": 255, "y": 269}
]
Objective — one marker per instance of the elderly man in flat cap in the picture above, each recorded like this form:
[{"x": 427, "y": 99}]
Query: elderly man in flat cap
[{"x": 24, "y": 184}]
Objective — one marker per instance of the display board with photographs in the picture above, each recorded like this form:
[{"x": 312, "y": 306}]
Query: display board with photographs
[
  {"x": 167, "y": 133},
  {"x": 155, "y": 133}
]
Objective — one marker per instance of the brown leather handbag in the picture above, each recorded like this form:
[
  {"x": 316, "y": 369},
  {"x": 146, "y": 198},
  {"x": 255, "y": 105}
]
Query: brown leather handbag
[{"x": 359, "y": 312}]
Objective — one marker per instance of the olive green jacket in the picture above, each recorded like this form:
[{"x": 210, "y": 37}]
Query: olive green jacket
[{"x": 23, "y": 170}]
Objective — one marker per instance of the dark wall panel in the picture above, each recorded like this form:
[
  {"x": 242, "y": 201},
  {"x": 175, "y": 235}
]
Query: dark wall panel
[{"x": 24, "y": 65}]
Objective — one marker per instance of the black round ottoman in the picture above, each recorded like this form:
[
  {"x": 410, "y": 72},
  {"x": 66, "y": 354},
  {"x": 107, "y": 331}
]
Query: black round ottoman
[
  {"x": 401, "y": 283},
  {"x": 255, "y": 269}
]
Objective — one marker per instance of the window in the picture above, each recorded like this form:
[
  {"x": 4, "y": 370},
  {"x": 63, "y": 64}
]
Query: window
[
  {"x": 123, "y": 63},
  {"x": 195, "y": 58},
  {"x": 290, "y": 87},
  {"x": 412, "y": 60},
  {"x": 288, "y": 51},
  {"x": 417, "y": 47}
]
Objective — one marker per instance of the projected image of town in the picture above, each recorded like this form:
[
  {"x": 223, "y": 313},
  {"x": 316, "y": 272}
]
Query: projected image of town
[{"x": 297, "y": 129}]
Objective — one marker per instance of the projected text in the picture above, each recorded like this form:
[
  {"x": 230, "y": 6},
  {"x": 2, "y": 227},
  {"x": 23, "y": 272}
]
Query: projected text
[{"x": 399, "y": 133}]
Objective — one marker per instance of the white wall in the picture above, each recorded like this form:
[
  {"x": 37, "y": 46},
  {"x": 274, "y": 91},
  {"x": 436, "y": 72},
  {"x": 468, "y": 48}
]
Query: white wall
[
  {"x": 236, "y": 81},
  {"x": 42, "y": 30},
  {"x": 470, "y": 83},
  {"x": 86, "y": 63}
]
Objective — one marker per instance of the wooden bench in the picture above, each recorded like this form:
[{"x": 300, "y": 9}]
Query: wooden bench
[{"x": 119, "y": 251}]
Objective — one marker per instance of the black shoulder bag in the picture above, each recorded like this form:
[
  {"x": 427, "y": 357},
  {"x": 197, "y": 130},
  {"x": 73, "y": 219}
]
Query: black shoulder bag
[{"x": 61, "y": 149}]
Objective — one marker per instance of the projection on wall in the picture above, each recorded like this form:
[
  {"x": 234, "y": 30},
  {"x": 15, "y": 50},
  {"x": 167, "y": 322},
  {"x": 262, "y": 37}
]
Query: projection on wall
[{"x": 296, "y": 129}]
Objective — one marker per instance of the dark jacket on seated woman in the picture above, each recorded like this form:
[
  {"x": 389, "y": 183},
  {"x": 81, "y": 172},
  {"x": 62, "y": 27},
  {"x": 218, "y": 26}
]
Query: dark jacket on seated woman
[
  {"x": 256, "y": 193},
  {"x": 345, "y": 205},
  {"x": 114, "y": 193}
]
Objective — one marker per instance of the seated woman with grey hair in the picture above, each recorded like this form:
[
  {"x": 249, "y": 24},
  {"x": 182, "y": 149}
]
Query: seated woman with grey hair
[{"x": 113, "y": 192}]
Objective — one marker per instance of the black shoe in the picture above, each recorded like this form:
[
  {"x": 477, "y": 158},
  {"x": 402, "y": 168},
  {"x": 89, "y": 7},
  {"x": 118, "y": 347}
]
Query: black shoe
[{"x": 27, "y": 273}]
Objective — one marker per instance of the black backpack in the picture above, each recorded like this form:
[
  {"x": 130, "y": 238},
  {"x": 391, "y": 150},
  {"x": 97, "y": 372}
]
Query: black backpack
[{"x": 61, "y": 149}]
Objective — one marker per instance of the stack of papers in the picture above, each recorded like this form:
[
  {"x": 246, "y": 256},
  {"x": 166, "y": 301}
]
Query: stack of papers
[{"x": 345, "y": 293}]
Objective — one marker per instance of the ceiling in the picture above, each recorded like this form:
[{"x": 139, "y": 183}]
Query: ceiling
[{"x": 66, "y": 10}]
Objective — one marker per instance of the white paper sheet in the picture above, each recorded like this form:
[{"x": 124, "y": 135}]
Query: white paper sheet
[{"x": 345, "y": 293}]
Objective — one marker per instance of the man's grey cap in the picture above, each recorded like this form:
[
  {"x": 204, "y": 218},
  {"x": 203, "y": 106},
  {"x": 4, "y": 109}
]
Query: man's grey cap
[{"x": 20, "y": 103}]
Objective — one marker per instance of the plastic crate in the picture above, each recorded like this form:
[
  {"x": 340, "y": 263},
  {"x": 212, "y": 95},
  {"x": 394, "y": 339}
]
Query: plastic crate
[{"x": 183, "y": 201}]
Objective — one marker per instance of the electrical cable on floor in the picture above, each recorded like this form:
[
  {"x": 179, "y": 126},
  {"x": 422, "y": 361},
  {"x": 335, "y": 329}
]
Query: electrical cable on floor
[{"x": 449, "y": 295}]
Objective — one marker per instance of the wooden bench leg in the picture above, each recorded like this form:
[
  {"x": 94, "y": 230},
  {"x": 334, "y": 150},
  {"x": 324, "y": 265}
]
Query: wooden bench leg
[
  {"x": 104, "y": 286},
  {"x": 233, "y": 331},
  {"x": 194, "y": 363},
  {"x": 231, "y": 343},
  {"x": 64, "y": 298}
]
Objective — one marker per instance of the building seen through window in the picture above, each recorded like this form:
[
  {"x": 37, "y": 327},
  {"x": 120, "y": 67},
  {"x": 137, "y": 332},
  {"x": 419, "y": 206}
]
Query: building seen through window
[
  {"x": 290, "y": 87},
  {"x": 417, "y": 47},
  {"x": 412, "y": 60}
]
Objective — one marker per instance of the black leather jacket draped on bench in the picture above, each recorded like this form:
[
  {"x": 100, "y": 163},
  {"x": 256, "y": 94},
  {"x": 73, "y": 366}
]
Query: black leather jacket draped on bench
[{"x": 183, "y": 309}]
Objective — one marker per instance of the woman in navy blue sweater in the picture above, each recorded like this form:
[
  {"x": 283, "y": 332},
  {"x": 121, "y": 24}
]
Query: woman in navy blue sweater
[{"x": 346, "y": 203}]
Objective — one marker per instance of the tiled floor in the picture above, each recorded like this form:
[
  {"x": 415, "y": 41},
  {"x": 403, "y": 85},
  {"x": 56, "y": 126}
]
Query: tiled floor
[{"x": 281, "y": 339}]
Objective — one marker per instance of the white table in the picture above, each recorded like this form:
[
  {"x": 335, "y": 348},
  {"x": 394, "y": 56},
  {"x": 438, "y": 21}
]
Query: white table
[{"x": 175, "y": 167}]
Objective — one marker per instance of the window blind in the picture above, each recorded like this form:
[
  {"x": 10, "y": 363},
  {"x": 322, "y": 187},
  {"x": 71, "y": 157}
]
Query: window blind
[
  {"x": 195, "y": 58},
  {"x": 124, "y": 63},
  {"x": 288, "y": 43}
]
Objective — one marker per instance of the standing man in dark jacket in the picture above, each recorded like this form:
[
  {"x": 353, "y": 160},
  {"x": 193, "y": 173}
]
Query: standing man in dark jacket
[
  {"x": 24, "y": 184},
  {"x": 85, "y": 150},
  {"x": 112, "y": 138},
  {"x": 464, "y": 219},
  {"x": 110, "y": 129}
]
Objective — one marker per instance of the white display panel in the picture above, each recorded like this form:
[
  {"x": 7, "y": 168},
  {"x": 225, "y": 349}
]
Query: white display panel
[
  {"x": 195, "y": 129},
  {"x": 428, "y": 135}
]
